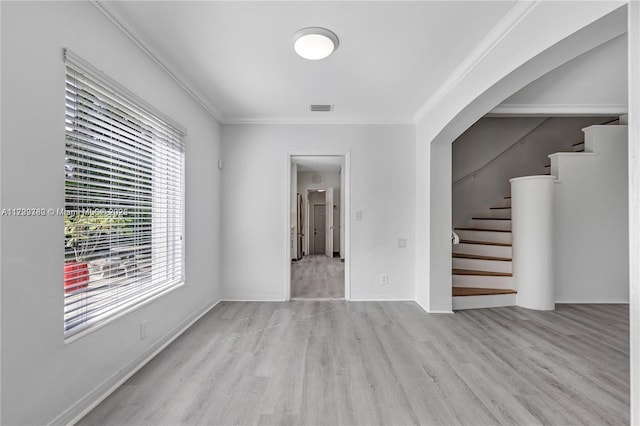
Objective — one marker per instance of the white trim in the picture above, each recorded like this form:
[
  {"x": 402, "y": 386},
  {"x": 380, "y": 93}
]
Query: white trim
[
  {"x": 346, "y": 171},
  {"x": 500, "y": 31},
  {"x": 547, "y": 110},
  {"x": 83, "y": 406},
  {"x": 317, "y": 299},
  {"x": 156, "y": 57},
  {"x": 592, "y": 302},
  {"x": 432, "y": 312},
  {"x": 534, "y": 177},
  {"x": 633, "y": 64},
  {"x": 287, "y": 227},
  {"x": 572, "y": 154},
  {"x": 293, "y": 120}
]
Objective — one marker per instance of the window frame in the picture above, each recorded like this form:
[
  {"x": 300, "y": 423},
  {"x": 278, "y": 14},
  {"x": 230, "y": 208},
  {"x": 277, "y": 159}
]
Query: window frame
[{"x": 176, "y": 148}]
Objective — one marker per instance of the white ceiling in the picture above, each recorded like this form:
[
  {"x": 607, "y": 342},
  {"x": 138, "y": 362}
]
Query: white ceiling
[
  {"x": 318, "y": 163},
  {"x": 238, "y": 58}
]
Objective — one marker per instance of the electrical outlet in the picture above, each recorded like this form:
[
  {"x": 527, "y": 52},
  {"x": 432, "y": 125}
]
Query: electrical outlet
[
  {"x": 143, "y": 330},
  {"x": 402, "y": 242},
  {"x": 384, "y": 279},
  {"x": 358, "y": 214}
]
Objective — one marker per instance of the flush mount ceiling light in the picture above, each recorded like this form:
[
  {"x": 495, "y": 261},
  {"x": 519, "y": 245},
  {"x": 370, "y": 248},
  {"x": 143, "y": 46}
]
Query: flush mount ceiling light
[{"x": 315, "y": 43}]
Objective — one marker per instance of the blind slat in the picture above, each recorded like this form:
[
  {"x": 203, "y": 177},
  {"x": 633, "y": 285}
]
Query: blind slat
[{"x": 124, "y": 194}]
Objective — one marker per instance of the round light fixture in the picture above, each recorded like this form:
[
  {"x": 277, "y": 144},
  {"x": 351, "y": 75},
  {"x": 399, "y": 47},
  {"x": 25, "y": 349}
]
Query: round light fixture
[{"x": 315, "y": 43}]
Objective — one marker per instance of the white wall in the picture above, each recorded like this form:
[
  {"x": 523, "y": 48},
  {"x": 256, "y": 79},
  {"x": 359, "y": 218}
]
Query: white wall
[
  {"x": 591, "y": 220},
  {"x": 327, "y": 180},
  {"x": 42, "y": 378},
  {"x": 488, "y": 138},
  {"x": 382, "y": 186},
  {"x": 593, "y": 82}
]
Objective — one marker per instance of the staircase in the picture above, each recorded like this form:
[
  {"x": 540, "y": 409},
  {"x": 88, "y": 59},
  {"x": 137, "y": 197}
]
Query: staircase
[
  {"x": 482, "y": 261},
  {"x": 576, "y": 147}
]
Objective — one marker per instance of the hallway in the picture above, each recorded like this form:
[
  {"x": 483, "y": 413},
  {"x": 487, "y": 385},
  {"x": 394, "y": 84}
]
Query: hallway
[{"x": 317, "y": 277}]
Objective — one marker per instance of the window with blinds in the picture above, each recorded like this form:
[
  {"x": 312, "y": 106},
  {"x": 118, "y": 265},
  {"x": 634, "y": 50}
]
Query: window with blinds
[{"x": 124, "y": 199}]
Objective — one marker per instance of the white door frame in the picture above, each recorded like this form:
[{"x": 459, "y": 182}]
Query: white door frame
[{"x": 286, "y": 234}]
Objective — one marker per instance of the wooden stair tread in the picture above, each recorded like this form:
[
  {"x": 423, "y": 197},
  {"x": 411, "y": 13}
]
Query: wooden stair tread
[
  {"x": 491, "y": 218},
  {"x": 507, "y": 198},
  {"x": 475, "y": 291},
  {"x": 582, "y": 150},
  {"x": 498, "y": 208},
  {"x": 475, "y": 256},
  {"x": 576, "y": 144},
  {"x": 485, "y": 243},
  {"x": 481, "y": 273},
  {"x": 480, "y": 229}
]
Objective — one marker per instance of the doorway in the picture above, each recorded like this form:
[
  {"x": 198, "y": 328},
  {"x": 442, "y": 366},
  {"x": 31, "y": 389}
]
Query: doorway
[
  {"x": 319, "y": 219},
  {"x": 318, "y": 227}
]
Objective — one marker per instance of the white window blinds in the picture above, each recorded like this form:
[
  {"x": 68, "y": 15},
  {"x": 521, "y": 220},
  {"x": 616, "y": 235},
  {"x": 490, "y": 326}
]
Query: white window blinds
[{"x": 124, "y": 199}]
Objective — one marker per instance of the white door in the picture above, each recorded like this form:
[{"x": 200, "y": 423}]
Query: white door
[
  {"x": 328, "y": 234},
  {"x": 319, "y": 222}
]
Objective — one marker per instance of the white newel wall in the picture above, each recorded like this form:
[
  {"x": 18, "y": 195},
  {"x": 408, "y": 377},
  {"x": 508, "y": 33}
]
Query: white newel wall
[
  {"x": 591, "y": 219},
  {"x": 532, "y": 230}
]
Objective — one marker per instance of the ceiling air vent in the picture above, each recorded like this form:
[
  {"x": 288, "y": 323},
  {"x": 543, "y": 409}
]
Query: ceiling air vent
[{"x": 321, "y": 108}]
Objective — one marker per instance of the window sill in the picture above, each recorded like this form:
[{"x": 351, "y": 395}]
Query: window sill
[{"x": 109, "y": 319}]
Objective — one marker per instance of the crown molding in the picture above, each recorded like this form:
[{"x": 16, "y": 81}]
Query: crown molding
[
  {"x": 155, "y": 56},
  {"x": 293, "y": 120},
  {"x": 550, "y": 110},
  {"x": 504, "y": 27}
]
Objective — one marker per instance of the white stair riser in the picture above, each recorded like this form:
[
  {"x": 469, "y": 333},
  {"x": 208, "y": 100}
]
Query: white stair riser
[
  {"x": 482, "y": 281},
  {"x": 482, "y": 250},
  {"x": 476, "y": 302},
  {"x": 500, "y": 213},
  {"x": 504, "y": 225},
  {"x": 488, "y": 236},
  {"x": 482, "y": 265}
]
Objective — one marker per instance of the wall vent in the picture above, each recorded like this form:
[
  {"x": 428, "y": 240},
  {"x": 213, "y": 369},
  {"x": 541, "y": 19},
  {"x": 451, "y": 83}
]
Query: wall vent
[{"x": 321, "y": 108}]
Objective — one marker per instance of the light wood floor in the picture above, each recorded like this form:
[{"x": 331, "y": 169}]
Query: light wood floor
[
  {"x": 317, "y": 276},
  {"x": 368, "y": 363}
]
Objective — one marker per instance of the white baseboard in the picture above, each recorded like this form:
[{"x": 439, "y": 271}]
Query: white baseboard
[
  {"x": 253, "y": 300},
  {"x": 317, "y": 299},
  {"x": 593, "y": 302},
  {"x": 381, "y": 300},
  {"x": 83, "y": 406},
  {"x": 424, "y": 308}
]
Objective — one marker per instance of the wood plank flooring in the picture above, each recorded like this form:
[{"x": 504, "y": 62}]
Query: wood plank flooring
[
  {"x": 317, "y": 276},
  {"x": 372, "y": 363}
]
